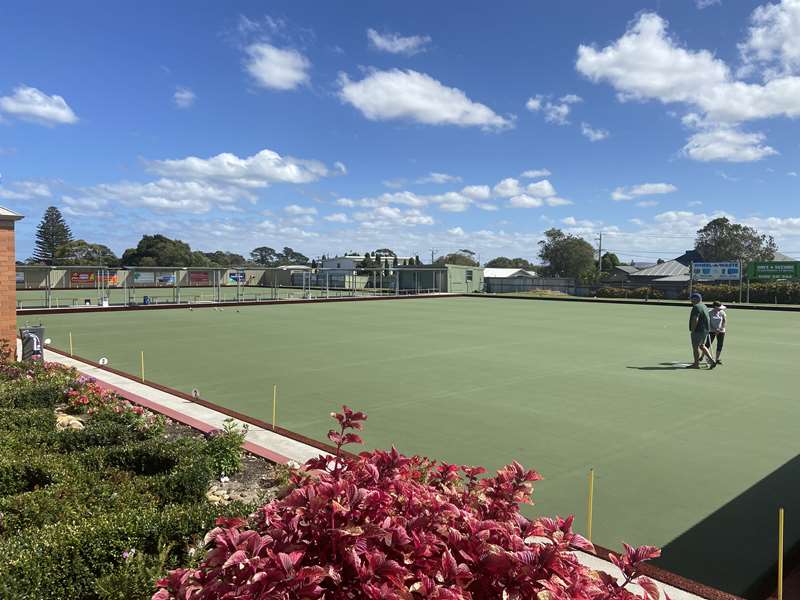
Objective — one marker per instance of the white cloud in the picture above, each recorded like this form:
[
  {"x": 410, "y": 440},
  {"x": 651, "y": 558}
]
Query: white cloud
[
  {"x": 593, "y": 135},
  {"x": 773, "y": 41},
  {"x": 694, "y": 203},
  {"x": 507, "y": 188},
  {"x": 305, "y": 220},
  {"x": 541, "y": 189},
  {"x": 439, "y": 178},
  {"x": 452, "y": 201},
  {"x": 346, "y": 202},
  {"x": 31, "y": 104},
  {"x": 486, "y": 206},
  {"x": 85, "y": 207},
  {"x": 395, "y": 184},
  {"x": 167, "y": 195},
  {"x": 477, "y": 192},
  {"x": 792, "y": 173},
  {"x": 525, "y": 201},
  {"x": 391, "y": 216},
  {"x": 554, "y": 111},
  {"x": 647, "y": 203},
  {"x": 556, "y": 201},
  {"x": 397, "y": 94},
  {"x": 727, "y": 144},
  {"x": 276, "y": 68},
  {"x": 536, "y": 173},
  {"x": 701, "y": 4},
  {"x": 643, "y": 189},
  {"x": 398, "y": 44},
  {"x": 340, "y": 167},
  {"x": 337, "y": 218},
  {"x": 456, "y": 231},
  {"x": 255, "y": 171},
  {"x": 25, "y": 190},
  {"x": 647, "y": 64},
  {"x": 294, "y": 209},
  {"x": 183, "y": 97}
]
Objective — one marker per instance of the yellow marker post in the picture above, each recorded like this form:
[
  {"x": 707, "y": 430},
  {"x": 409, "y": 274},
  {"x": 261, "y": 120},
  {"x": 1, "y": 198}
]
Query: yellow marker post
[
  {"x": 142, "y": 366},
  {"x": 274, "y": 403},
  {"x": 780, "y": 554},
  {"x": 70, "y": 343},
  {"x": 590, "y": 506}
]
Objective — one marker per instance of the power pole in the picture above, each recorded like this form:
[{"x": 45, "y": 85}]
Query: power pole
[
  {"x": 600, "y": 256},
  {"x": 433, "y": 254}
]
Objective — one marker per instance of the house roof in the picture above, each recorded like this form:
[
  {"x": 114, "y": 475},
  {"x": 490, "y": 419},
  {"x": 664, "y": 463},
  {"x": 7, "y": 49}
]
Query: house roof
[
  {"x": 627, "y": 269},
  {"x": 9, "y": 215},
  {"x": 672, "y": 278},
  {"x": 497, "y": 272},
  {"x": 666, "y": 269}
]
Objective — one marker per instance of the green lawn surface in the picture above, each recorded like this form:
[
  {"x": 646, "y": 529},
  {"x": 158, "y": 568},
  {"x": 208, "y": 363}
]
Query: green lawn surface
[{"x": 696, "y": 462}]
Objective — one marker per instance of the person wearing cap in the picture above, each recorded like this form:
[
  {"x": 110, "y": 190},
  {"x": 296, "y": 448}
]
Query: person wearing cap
[
  {"x": 698, "y": 329},
  {"x": 718, "y": 322}
]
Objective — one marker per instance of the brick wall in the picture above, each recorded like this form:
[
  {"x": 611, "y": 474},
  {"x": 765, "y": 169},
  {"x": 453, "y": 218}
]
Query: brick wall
[{"x": 8, "y": 285}]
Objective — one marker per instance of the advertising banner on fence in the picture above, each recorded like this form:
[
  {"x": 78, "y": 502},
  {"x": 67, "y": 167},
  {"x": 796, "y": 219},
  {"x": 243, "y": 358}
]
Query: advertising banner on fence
[
  {"x": 166, "y": 279},
  {"x": 716, "y": 271},
  {"x": 140, "y": 278},
  {"x": 774, "y": 270},
  {"x": 82, "y": 278},
  {"x": 109, "y": 278},
  {"x": 198, "y": 278},
  {"x": 235, "y": 277}
]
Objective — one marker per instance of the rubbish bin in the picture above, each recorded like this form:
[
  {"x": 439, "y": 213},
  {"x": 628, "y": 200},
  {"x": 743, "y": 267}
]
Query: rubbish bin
[
  {"x": 87, "y": 301},
  {"x": 146, "y": 300},
  {"x": 32, "y": 343}
]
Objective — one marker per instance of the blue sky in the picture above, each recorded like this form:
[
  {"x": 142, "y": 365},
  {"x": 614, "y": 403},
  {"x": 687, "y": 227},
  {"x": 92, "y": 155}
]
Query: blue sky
[{"x": 356, "y": 125}]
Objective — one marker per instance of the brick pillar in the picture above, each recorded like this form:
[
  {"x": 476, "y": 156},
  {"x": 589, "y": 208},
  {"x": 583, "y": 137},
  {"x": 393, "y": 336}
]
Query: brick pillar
[{"x": 8, "y": 279}]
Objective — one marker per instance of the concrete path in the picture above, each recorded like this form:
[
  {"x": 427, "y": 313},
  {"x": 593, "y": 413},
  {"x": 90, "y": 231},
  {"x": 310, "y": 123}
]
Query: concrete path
[{"x": 261, "y": 442}]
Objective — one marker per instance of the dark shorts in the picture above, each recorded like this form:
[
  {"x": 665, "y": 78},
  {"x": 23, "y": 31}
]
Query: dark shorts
[{"x": 699, "y": 337}]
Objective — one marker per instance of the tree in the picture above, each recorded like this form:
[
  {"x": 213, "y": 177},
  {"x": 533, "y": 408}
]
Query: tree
[
  {"x": 394, "y": 261},
  {"x": 502, "y": 262},
  {"x": 462, "y": 257},
  {"x": 52, "y": 233},
  {"x": 721, "y": 240},
  {"x": 384, "y": 252},
  {"x": 264, "y": 256},
  {"x": 660, "y": 261},
  {"x": 566, "y": 255},
  {"x": 221, "y": 258},
  {"x": 81, "y": 252},
  {"x": 314, "y": 264},
  {"x": 417, "y": 261},
  {"x": 291, "y": 257},
  {"x": 610, "y": 260},
  {"x": 160, "y": 251}
]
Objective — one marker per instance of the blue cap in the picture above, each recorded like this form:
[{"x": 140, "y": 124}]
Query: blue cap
[{"x": 695, "y": 297}]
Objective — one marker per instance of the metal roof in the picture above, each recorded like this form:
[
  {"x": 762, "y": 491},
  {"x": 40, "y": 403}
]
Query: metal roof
[
  {"x": 627, "y": 269},
  {"x": 666, "y": 269},
  {"x": 506, "y": 272}
]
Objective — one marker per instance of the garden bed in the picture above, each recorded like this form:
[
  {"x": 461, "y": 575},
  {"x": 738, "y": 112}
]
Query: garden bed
[{"x": 100, "y": 498}]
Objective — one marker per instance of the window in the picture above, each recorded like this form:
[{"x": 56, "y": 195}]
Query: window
[{"x": 469, "y": 275}]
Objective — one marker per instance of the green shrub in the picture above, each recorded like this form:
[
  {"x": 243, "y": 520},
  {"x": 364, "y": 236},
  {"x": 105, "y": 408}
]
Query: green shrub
[
  {"x": 62, "y": 561},
  {"x": 224, "y": 448},
  {"x": 31, "y": 393},
  {"x": 34, "y": 420},
  {"x": 641, "y": 292},
  {"x": 19, "y": 477},
  {"x": 135, "y": 579},
  {"x": 188, "y": 481},
  {"x": 146, "y": 458},
  {"x": 107, "y": 428}
]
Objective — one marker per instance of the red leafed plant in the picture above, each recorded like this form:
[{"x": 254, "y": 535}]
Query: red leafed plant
[{"x": 385, "y": 526}]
